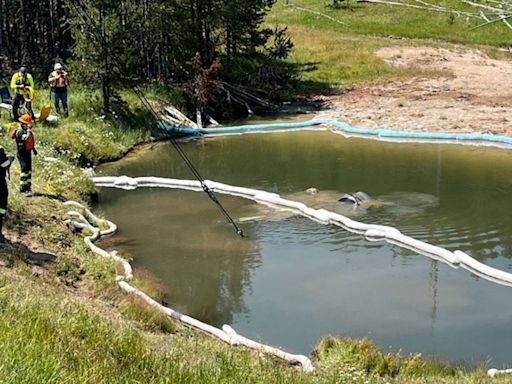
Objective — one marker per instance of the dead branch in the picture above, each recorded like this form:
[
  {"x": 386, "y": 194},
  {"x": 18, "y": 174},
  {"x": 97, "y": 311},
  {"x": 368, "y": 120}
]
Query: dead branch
[
  {"x": 497, "y": 2},
  {"x": 177, "y": 115},
  {"x": 246, "y": 99},
  {"x": 213, "y": 122},
  {"x": 316, "y": 13},
  {"x": 428, "y": 4},
  {"x": 199, "y": 120},
  {"x": 496, "y": 10},
  {"x": 483, "y": 16},
  {"x": 444, "y": 10},
  {"x": 169, "y": 119},
  {"x": 173, "y": 111},
  {"x": 501, "y": 18},
  {"x": 507, "y": 23}
]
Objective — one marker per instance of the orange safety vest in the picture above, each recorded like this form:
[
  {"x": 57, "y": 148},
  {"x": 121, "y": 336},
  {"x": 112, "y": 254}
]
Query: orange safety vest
[
  {"x": 61, "y": 81},
  {"x": 30, "y": 141}
]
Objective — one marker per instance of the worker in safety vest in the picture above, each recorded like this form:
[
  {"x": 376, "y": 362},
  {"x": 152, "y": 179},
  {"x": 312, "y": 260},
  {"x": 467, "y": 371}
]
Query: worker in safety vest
[
  {"x": 59, "y": 81},
  {"x": 25, "y": 143},
  {"x": 22, "y": 87},
  {"x": 5, "y": 163}
]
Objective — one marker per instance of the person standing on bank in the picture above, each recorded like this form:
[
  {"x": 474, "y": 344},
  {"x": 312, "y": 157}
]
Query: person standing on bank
[
  {"x": 58, "y": 81},
  {"x": 22, "y": 84},
  {"x": 25, "y": 143},
  {"x": 5, "y": 163}
]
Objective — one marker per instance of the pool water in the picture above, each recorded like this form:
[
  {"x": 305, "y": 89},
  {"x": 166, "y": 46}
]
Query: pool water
[{"x": 292, "y": 280}]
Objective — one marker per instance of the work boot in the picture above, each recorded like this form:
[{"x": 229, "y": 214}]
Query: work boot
[{"x": 25, "y": 191}]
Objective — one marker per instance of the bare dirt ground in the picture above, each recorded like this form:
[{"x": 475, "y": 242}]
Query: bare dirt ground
[{"x": 474, "y": 94}]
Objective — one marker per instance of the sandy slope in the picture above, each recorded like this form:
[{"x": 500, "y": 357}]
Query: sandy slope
[{"x": 473, "y": 95}]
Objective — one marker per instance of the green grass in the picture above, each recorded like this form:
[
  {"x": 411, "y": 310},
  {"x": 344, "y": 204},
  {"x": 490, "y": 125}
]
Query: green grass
[
  {"x": 68, "y": 322},
  {"x": 332, "y": 55},
  {"x": 382, "y": 20},
  {"x": 50, "y": 335},
  {"x": 54, "y": 336},
  {"x": 332, "y": 59},
  {"x": 87, "y": 139}
]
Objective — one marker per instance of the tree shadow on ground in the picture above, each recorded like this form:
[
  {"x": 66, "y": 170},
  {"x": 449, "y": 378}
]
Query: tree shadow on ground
[
  {"x": 307, "y": 87},
  {"x": 12, "y": 251}
]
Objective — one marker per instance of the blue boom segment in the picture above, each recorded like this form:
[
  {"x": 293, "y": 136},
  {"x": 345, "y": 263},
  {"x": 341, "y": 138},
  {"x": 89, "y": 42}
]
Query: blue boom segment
[{"x": 377, "y": 133}]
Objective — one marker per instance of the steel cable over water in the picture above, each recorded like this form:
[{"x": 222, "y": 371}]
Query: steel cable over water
[
  {"x": 372, "y": 232},
  {"x": 80, "y": 10},
  {"x": 82, "y": 220}
]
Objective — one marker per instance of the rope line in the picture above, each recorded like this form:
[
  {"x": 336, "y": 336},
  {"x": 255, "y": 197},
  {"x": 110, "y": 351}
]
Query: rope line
[{"x": 145, "y": 102}]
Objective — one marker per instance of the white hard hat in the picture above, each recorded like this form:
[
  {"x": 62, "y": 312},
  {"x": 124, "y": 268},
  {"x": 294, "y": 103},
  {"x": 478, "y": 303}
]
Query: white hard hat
[{"x": 57, "y": 66}]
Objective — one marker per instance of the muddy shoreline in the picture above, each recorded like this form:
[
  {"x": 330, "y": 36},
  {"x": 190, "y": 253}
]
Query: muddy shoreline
[{"x": 470, "y": 96}]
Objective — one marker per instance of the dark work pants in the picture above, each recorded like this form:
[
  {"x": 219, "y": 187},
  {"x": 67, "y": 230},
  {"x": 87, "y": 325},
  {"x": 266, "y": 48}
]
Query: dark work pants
[
  {"x": 18, "y": 100},
  {"x": 3, "y": 201},
  {"x": 60, "y": 96},
  {"x": 25, "y": 159}
]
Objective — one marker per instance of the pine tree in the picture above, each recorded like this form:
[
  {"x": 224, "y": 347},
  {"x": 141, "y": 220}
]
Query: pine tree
[
  {"x": 104, "y": 50},
  {"x": 114, "y": 43}
]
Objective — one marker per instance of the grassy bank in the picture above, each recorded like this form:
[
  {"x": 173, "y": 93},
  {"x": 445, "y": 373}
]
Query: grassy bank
[
  {"x": 83, "y": 334},
  {"x": 337, "y": 47},
  {"x": 389, "y": 21},
  {"x": 62, "y": 317}
]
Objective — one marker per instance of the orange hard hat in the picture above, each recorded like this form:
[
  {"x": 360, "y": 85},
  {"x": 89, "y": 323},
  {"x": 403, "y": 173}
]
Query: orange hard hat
[{"x": 26, "y": 119}]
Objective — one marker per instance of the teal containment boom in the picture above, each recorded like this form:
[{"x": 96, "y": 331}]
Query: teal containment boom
[
  {"x": 245, "y": 128},
  {"x": 348, "y": 130}
]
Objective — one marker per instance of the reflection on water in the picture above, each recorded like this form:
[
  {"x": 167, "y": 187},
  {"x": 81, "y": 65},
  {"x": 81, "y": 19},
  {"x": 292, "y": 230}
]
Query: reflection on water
[
  {"x": 206, "y": 271},
  {"x": 293, "y": 280}
]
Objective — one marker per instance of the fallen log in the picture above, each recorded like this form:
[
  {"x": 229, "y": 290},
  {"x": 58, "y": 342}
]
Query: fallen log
[
  {"x": 176, "y": 114},
  {"x": 212, "y": 121}
]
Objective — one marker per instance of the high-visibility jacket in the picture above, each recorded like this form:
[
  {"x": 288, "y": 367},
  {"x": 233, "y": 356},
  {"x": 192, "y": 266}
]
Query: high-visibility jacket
[
  {"x": 20, "y": 79},
  {"x": 58, "y": 80},
  {"x": 25, "y": 140}
]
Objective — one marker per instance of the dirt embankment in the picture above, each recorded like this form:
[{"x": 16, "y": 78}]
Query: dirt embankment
[{"x": 474, "y": 95}]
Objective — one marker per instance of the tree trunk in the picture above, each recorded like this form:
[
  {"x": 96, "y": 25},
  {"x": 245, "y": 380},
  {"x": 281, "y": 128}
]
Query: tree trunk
[{"x": 105, "y": 79}]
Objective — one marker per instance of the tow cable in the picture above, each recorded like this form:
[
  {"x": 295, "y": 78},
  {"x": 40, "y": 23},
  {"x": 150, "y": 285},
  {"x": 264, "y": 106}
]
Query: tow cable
[{"x": 138, "y": 92}]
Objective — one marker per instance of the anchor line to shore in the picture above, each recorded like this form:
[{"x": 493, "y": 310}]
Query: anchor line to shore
[{"x": 81, "y": 11}]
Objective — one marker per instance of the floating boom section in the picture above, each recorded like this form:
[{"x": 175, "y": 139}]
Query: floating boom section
[
  {"x": 475, "y": 138},
  {"x": 81, "y": 218},
  {"x": 253, "y": 128},
  {"x": 371, "y": 232},
  {"x": 345, "y": 129}
]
